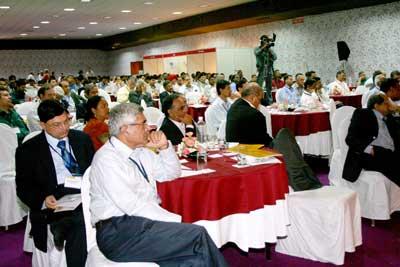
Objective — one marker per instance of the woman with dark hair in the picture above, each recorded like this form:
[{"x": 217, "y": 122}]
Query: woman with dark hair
[{"x": 96, "y": 114}]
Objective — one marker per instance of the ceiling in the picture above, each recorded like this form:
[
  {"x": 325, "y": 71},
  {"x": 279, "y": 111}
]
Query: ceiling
[{"x": 18, "y": 20}]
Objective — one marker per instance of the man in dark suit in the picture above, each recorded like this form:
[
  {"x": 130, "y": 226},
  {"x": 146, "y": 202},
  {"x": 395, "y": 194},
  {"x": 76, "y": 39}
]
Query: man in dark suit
[
  {"x": 168, "y": 90},
  {"x": 374, "y": 141},
  {"x": 177, "y": 121},
  {"x": 45, "y": 167},
  {"x": 247, "y": 125}
]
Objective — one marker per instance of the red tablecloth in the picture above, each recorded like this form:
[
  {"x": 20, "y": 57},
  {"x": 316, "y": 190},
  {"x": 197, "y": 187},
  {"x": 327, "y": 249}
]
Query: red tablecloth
[
  {"x": 301, "y": 124},
  {"x": 227, "y": 191},
  {"x": 197, "y": 112},
  {"x": 348, "y": 100}
]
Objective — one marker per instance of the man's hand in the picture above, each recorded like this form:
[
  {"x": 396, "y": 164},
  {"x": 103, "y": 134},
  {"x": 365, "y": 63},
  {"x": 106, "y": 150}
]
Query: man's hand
[
  {"x": 50, "y": 202},
  {"x": 187, "y": 119},
  {"x": 158, "y": 140}
]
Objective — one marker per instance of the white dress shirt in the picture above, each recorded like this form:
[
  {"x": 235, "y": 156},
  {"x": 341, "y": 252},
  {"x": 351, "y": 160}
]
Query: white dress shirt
[
  {"x": 340, "y": 87},
  {"x": 61, "y": 171},
  {"x": 118, "y": 187},
  {"x": 309, "y": 100},
  {"x": 123, "y": 94},
  {"x": 215, "y": 114},
  {"x": 384, "y": 139}
]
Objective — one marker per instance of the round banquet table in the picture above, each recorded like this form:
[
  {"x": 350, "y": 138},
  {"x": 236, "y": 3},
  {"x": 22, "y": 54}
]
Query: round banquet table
[
  {"x": 246, "y": 206},
  {"x": 311, "y": 129},
  {"x": 348, "y": 100},
  {"x": 197, "y": 111}
]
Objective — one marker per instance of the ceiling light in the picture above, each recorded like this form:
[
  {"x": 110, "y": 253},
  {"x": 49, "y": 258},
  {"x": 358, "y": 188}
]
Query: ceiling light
[
  {"x": 202, "y": 6},
  {"x": 23, "y": 34},
  {"x": 86, "y": 1},
  {"x": 126, "y": 11},
  {"x": 69, "y": 9},
  {"x": 62, "y": 34},
  {"x": 148, "y": 3},
  {"x": 55, "y": 16},
  {"x": 93, "y": 23},
  {"x": 36, "y": 27},
  {"x": 156, "y": 18},
  {"x": 45, "y": 22},
  {"x": 137, "y": 23},
  {"x": 177, "y": 13},
  {"x": 4, "y": 7},
  {"x": 81, "y": 28},
  {"x": 99, "y": 34},
  {"x": 108, "y": 17},
  {"x": 122, "y": 28}
]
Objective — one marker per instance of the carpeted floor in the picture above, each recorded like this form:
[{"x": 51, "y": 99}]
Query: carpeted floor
[{"x": 380, "y": 248}]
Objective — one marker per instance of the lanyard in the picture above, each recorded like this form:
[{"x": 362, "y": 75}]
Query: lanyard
[
  {"x": 141, "y": 169},
  {"x": 58, "y": 153}
]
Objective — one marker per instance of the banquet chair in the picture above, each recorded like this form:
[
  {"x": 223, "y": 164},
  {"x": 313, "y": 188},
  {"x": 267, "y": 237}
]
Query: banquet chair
[
  {"x": 379, "y": 196},
  {"x": 364, "y": 99},
  {"x": 324, "y": 224},
  {"x": 95, "y": 257},
  {"x": 25, "y": 108},
  {"x": 153, "y": 116},
  {"x": 11, "y": 209},
  {"x": 336, "y": 118},
  {"x": 268, "y": 119},
  {"x": 28, "y": 241}
]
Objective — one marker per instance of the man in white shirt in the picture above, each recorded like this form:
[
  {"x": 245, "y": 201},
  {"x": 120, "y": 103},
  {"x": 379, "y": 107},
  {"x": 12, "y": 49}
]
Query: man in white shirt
[
  {"x": 131, "y": 226},
  {"x": 123, "y": 92},
  {"x": 44, "y": 93},
  {"x": 217, "y": 111},
  {"x": 339, "y": 86}
]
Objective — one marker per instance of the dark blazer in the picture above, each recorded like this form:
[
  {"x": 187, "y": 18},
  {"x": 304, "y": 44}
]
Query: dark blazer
[
  {"x": 36, "y": 177},
  {"x": 173, "y": 133},
  {"x": 136, "y": 97},
  {"x": 163, "y": 95},
  {"x": 246, "y": 124},
  {"x": 363, "y": 130}
]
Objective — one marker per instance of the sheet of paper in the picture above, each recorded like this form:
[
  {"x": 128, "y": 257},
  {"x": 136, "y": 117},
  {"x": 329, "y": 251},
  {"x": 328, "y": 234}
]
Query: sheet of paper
[
  {"x": 230, "y": 154},
  {"x": 183, "y": 167},
  {"x": 258, "y": 161},
  {"x": 256, "y": 150},
  {"x": 68, "y": 202},
  {"x": 186, "y": 173},
  {"x": 215, "y": 156},
  {"x": 182, "y": 161}
]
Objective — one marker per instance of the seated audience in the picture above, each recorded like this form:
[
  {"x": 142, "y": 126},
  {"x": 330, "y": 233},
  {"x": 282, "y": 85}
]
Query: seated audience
[
  {"x": 321, "y": 92},
  {"x": 309, "y": 98},
  {"x": 44, "y": 166},
  {"x": 130, "y": 224},
  {"x": 362, "y": 78},
  {"x": 177, "y": 121},
  {"x": 123, "y": 92},
  {"x": 89, "y": 91},
  {"x": 9, "y": 116},
  {"x": 140, "y": 94},
  {"x": 377, "y": 79},
  {"x": 44, "y": 93},
  {"x": 395, "y": 75},
  {"x": 373, "y": 139},
  {"x": 299, "y": 84},
  {"x": 287, "y": 94},
  {"x": 168, "y": 90},
  {"x": 339, "y": 86},
  {"x": 277, "y": 81},
  {"x": 217, "y": 111},
  {"x": 96, "y": 115},
  {"x": 246, "y": 124}
]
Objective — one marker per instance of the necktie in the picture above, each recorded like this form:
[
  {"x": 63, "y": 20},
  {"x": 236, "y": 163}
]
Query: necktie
[{"x": 69, "y": 161}]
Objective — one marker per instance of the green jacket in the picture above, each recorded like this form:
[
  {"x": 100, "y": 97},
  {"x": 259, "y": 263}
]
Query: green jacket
[{"x": 13, "y": 120}]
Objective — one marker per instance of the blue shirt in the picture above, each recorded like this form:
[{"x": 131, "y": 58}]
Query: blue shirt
[{"x": 288, "y": 95}]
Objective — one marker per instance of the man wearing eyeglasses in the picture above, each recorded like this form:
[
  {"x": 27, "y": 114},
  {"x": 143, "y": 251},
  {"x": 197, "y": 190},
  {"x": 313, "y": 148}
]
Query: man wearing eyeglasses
[
  {"x": 130, "y": 224},
  {"x": 48, "y": 167}
]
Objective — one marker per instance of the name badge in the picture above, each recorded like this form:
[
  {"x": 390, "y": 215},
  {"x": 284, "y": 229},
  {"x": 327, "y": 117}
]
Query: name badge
[
  {"x": 73, "y": 182},
  {"x": 16, "y": 130}
]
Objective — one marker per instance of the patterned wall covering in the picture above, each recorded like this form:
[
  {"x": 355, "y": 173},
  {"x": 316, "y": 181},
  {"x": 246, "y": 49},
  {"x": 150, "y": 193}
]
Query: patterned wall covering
[
  {"x": 22, "y": 62},
  {"x": 372, "y": 34}
]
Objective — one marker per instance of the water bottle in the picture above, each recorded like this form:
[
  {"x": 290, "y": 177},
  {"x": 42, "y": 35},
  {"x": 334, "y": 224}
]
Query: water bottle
[
  {"x": 201, "y": 131},
  {"x": 201, "y": 149}
]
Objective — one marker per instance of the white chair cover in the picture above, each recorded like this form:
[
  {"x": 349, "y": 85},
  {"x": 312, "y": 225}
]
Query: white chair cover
[
  {"x": 95, "y": 258},
  {"x": 221, "y": 134},
  {"x": 325, "y": 223},
  {"x": 267, "y": 116},
  {"x": 364, "y": 99},
  {"x": 11, "y": 209},
  {"x": 339, "y": 115},
  {"x": 105, "y": 95},
  {"x": 143, "y": 104},
  {"x": 153, "y": 116},
  {"x": 28, "y": 241},
  {"x": 25, "y": 108},
  {"x": 52, "y": 257},
  {"x": 378, "y": 195}
]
